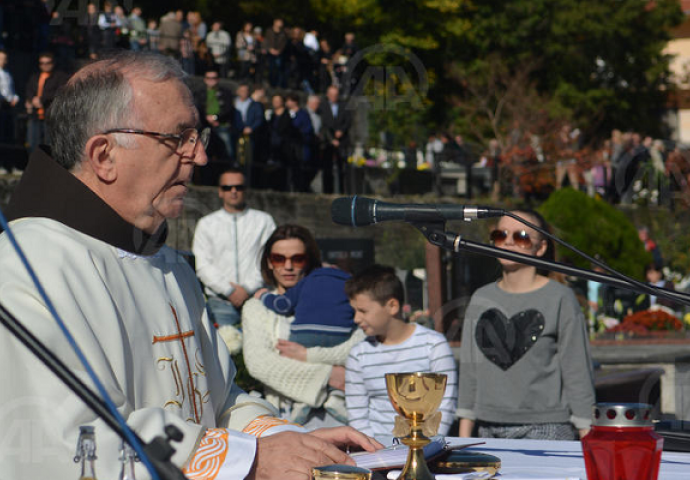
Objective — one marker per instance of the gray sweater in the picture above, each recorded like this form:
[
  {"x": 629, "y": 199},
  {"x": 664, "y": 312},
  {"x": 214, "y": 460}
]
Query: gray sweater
[{"x": 525, "y": 358}]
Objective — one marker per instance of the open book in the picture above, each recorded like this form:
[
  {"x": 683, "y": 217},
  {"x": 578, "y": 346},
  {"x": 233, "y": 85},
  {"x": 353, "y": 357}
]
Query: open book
[{"x": 395, "y": 455}]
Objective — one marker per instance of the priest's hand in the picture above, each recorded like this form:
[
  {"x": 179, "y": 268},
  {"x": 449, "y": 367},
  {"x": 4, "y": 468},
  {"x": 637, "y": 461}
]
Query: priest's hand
[{"x": 292, "y": 455}]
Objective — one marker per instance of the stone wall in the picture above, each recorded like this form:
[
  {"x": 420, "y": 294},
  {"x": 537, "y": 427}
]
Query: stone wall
[{"x": 395, "y": 243}]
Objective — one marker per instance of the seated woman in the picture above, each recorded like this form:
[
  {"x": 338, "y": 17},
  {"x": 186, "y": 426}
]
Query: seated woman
[
  {"x": 306, "y": 388},
  {"x": 525, "y": 368}
]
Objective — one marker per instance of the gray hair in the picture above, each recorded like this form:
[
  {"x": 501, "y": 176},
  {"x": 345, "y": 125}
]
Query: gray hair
[{"x": 99, "y": 97}]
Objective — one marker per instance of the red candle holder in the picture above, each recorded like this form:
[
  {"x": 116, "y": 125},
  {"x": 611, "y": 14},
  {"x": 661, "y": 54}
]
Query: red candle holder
[{"x": 622, "y": 444}]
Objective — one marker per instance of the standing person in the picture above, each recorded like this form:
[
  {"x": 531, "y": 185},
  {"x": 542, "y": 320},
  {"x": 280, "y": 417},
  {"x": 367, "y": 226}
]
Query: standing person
[
  {"x": 302, "y": 165},
  {"x": 280, "y": 131},
  {"x": 187, "y": 56},
  {"x": 651, "y": 246},
  {"x": 153, "y": 36},
  {"x": 274, "y": 45},
  {"x": 293, "y": 375},
  {"x": 8, "y": 100},
  {"x": 226, "y": 248},
  {"x": 249, "y": 118},
  {"x": 170, "y": 33},
  {"x": 392, "y": 346},
  {"x": 313, "y": 103},
  {"x": 325, "y": 67},
  {"x": 525, "y": 367},
  {"x": 92, "y": 31},
  {"x": 245, "y": 44},
  {"x": 120, "y": 168},
  {"x": 108, "y": 23},
  {"x": 336, "y": 121},
  {"x": 215, "y": 106},
  {"x": 218, "y": 42},
  {"x": 40, "y": 92},
  {"x": 137, "y": 30}
]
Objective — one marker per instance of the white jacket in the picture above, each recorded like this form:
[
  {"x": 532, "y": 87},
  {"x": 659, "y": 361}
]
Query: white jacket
[{"x": 227, "y": 248}]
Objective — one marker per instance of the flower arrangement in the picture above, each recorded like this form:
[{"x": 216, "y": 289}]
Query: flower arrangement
[{"x": 655, "y": 319}]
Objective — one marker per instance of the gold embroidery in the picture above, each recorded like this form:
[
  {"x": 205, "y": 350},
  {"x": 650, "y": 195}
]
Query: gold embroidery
[{"x": 184, "y": 388}]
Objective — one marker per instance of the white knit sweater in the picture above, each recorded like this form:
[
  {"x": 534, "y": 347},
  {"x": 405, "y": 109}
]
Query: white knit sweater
[{"x": 287, "y": 380}]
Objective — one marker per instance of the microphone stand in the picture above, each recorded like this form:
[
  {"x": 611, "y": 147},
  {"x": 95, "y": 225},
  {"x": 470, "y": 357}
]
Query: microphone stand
[
  {"x": 435, "y": 232},
  {"x": 159, "y": 450}
]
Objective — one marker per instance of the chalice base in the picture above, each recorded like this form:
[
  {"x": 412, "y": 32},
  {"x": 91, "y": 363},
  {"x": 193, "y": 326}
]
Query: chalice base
[{"x": 416, "y": 467}]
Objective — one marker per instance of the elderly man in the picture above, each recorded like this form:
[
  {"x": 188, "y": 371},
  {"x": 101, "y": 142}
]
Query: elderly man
[{"x": 92, "y": 221}]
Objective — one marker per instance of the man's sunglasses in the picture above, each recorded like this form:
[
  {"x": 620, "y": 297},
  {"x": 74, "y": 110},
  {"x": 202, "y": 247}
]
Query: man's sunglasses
[
  {"x": 227, "y": 188},
  {"x": 297, "y": 261},
  {"x": 520, "y": 238}
]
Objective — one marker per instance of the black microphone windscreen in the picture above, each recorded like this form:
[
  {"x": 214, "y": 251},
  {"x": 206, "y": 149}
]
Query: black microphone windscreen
[
  {"x": 352, "y": 211},
  {"x": 341, "y": 211}
]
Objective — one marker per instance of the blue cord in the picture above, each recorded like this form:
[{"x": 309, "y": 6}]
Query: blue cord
[{"x": 70, "y": 339}]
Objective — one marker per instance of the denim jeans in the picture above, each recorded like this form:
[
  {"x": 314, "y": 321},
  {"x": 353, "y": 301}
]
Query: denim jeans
[
  {"x": 222, "y": 312},
  {"x": 314, "y": 339}
]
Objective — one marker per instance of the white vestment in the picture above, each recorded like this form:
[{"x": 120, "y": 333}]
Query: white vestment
[{"x": 141, "y": 322}]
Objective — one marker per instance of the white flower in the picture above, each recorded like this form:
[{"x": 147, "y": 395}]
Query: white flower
[
  {"x": 232, "y": 338},
  {"x": 609, "y": 322}
]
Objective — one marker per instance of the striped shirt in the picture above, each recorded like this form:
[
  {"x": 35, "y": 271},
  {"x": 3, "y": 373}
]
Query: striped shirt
[{"x": 368, "y": 406}]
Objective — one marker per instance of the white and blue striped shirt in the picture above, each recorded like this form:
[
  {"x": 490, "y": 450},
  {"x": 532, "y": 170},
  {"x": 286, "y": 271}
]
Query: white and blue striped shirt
[{"x": 368, "y": 408}]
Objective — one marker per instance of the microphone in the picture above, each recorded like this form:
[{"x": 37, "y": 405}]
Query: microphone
[{"x": 361, "y": 211}]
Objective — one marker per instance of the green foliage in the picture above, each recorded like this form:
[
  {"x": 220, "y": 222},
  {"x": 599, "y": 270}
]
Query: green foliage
[
  {"x": 245, "y": 381},
  {"x": 595, "y": 227},
  {"x": 404, "y": 248}
]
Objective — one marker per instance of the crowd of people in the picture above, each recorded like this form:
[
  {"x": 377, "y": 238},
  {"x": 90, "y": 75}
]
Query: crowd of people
[
  {"x": 292, "y": 57},
  {"x": 282, "y": 142},
  {"x": 627, "y": 167}
]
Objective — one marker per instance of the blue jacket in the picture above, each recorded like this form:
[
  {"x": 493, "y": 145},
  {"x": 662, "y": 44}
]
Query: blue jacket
[
  {"x": 255, "y": 118},
  {"x": 318, "y": 302}
]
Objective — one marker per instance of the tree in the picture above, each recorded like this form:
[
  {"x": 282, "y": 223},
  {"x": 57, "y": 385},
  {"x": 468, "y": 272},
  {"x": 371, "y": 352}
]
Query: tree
[{"x": 596, "y": 228}]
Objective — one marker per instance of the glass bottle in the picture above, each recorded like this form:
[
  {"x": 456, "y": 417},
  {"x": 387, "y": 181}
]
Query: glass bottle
[
  {"x": 86, "y": 452},
  {"x": 127, "y": 456}
]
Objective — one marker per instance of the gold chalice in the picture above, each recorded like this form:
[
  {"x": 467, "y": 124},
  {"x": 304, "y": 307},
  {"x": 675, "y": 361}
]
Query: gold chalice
[{"x": 416, "y": 397}]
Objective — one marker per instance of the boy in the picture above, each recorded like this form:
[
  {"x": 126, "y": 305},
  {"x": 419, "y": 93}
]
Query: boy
[{"x": 392, "y": 346}]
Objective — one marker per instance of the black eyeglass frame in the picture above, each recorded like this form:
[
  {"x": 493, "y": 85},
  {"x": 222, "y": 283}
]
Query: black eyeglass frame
[{"x": 203, "y": 136}]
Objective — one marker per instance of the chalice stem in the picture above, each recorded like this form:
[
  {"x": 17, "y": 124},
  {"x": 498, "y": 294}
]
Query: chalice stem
[{"x": 416, "y": 467}]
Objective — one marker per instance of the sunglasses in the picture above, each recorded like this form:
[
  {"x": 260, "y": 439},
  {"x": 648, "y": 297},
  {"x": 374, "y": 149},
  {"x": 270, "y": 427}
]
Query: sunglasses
[
  {"x": 297, "y": 261},
  {"x": 227, "y": 188},
  {"x": 520, "y": 238}
]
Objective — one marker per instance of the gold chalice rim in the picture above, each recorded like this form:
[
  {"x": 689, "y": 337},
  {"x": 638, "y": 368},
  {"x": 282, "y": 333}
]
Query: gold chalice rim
[{"x": 417, "y": 374}]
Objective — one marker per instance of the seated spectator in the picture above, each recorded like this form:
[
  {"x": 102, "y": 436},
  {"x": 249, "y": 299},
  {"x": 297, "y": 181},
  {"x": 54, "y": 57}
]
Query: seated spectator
[
  {"x": 293, "y": 375},
  {"x": 227, "y": 246},
  {"x": 392, "y": 346}
]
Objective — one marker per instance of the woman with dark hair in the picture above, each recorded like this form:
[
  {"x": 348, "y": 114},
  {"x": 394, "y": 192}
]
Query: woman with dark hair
[
  {"x": 297, "y": 379},
  {"x": 525, "y": 368}
]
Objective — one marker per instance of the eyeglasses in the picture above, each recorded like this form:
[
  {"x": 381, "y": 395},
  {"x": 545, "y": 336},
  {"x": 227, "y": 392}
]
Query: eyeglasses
[
  {"x": 228, "y": 188},
  {"x": 297, "y": 261},
  {"x": 520, "y": 237},
  {"x": 211, "y": 78},
  {"x": 186, "y": 141}
]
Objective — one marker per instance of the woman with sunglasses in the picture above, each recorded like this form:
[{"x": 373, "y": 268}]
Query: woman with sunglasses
[
  {"x": 525, "y": 368},
  {"x": 298, "y": 380}
]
